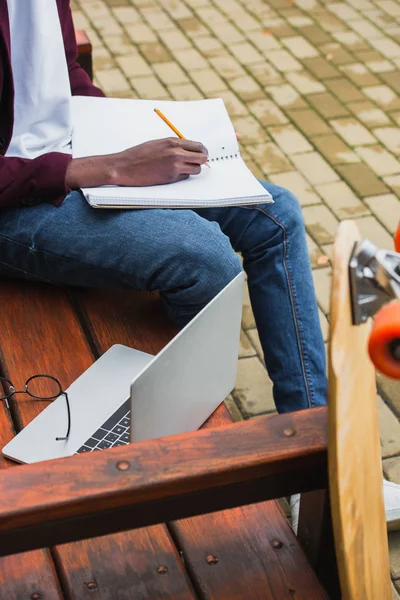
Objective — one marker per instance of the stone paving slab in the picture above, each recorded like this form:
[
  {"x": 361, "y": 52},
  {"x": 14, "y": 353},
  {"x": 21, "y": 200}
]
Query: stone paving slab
[{"x": 313, "y": 89}]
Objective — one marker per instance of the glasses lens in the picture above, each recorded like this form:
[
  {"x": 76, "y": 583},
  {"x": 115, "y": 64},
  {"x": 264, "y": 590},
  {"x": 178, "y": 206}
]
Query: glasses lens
[
  {"x": 44, "y": 387},
  {"x": 6, "y": 389}
]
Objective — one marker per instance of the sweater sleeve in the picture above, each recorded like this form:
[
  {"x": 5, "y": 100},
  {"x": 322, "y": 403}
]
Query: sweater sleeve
[{"x": 27, "y": 182}]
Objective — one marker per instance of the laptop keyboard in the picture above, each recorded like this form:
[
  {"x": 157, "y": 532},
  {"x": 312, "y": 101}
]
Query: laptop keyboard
[{"x": 116, "y": 431}]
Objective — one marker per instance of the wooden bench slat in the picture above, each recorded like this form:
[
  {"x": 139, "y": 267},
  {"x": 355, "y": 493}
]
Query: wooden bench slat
[
  {"x": 6, "y": 432},
  {"x": 124, "y": 566},
  {"x": 244, "y": 546},
  {"x": 173, "y": 466},
  {"x": 179, "y": 476},
  {"x": 28, "y": 572},
  {"x": 131, "y": 318},
  {"x": 25, "y": 574},
  {"x": 39, "y": 334},
  {"x": 47, "y": 321}
]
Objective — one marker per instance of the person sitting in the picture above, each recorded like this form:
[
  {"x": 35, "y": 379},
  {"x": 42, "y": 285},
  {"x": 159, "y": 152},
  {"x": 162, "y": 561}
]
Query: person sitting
[{"x": 48, "y": 232}]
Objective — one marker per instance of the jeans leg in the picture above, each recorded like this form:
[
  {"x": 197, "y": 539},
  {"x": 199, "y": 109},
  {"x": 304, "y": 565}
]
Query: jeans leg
[
  {"x": 272, "y": 240},
  {"x": 185, "y": 257}
]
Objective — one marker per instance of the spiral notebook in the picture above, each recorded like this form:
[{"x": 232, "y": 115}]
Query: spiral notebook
[{"x": 107, "y": 125}]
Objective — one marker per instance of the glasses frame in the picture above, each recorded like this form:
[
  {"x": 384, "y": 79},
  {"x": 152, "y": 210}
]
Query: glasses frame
[{"x": 61, "y": 392}]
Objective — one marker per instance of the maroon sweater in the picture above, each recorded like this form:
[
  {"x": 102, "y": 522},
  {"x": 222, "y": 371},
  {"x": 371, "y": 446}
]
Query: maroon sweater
[{"x": 23, "y": 181}]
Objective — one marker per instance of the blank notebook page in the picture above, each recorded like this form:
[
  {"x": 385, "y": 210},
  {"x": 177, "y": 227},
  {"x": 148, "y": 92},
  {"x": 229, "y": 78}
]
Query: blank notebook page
[{"x": 108, "y": 125}]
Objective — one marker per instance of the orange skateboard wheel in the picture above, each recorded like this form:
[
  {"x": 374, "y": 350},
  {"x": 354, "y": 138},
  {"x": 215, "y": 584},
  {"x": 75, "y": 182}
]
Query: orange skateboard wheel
[
  {"x": 384, "y": 341},
  {"x": 397, "y": 239}
]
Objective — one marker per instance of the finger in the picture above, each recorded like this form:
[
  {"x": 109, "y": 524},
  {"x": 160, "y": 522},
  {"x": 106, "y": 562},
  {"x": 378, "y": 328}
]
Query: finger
[
  {"x": 182, "y": 176},
  {"x": 190, "y": 146},
  {"x": 191, "y": 169},
  {"x": 197, "y": 158}
]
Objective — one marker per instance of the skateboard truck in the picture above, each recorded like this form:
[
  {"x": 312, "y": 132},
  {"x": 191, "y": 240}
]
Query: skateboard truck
[{"x": 374, "y": 279}]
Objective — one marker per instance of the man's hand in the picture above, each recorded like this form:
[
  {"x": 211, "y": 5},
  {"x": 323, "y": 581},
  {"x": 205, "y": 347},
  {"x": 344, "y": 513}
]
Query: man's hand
[
  {"x": 152, "y": 163},
  {"x": 160, "y": 161}
]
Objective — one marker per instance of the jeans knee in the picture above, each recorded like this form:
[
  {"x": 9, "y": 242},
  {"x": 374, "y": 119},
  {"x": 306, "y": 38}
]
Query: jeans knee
[
  {"x": 228, "y": 270},
  {"x": 217, "y": 265},
  {"x": 204, "y": 267}
]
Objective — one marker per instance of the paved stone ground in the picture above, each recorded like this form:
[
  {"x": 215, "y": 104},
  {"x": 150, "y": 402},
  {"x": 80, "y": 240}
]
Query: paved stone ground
[{"x": 313, "y": 88}]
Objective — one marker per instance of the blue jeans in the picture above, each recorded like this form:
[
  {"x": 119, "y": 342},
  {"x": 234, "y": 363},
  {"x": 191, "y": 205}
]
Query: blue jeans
[{"x": 189, "y": 256}]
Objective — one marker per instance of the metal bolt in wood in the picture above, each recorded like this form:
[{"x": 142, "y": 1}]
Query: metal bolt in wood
[
  {"x": 123, "y": 465},
  {"x": 91, "y": 585},
  {"x": 289, "y": 432},
  {"x": 163, "y": 570}
]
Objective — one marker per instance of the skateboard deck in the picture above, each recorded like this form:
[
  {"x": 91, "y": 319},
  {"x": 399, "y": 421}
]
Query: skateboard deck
[{"x": 355, "y": 469}]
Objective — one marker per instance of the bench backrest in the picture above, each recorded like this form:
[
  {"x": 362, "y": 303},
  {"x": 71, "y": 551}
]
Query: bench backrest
[
  {"x": 84, "y": 51},
  {"x": 355, "y": 469}
]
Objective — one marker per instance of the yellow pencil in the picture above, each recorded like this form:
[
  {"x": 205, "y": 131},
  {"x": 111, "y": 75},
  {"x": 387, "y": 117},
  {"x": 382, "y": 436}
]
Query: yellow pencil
[{"x": 174, "y": 129}]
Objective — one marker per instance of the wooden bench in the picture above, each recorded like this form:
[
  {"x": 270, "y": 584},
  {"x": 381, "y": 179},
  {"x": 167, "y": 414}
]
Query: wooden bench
[
  {"x": 47, "y": 329},
  {"x": 241, "y": 553}
]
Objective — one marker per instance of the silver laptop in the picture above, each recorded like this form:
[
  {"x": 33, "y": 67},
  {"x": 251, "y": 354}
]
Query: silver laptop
[{"x": 128, "y": 396}]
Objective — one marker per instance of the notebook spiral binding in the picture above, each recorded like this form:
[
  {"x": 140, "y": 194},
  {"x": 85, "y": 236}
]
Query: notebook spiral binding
[{"x": 226, "y": 157}]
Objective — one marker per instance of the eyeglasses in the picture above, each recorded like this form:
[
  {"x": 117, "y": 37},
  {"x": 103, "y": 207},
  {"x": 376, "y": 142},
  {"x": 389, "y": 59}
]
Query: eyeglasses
[{"x": 40, "y": 387}]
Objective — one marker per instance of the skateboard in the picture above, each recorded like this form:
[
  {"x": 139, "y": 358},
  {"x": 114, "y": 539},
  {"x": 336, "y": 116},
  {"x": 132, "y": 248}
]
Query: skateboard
[{"x": 354, "y": 452}]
